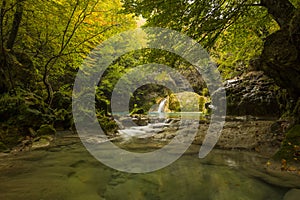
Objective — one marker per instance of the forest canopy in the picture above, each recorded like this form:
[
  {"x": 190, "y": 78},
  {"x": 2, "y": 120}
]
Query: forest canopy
[{"x": 233, "y": 31}]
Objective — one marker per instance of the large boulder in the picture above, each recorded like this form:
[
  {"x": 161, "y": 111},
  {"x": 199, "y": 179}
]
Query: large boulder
[{"x": 253, "y": 94}]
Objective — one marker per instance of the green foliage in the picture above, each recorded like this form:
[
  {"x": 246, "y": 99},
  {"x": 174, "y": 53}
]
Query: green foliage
[
  {"x": 23, "y": 113},
  {"x": 23, "y": 109},
  {"x": 233, "y": 31},
  {"x": 296, "y": 3},
  {"x": 57, "y": 35},
  {"x": 144, "y": 97},
  {"x": 52, "y": 39},
  {"x": 201, "y": 20},
  {"x": 202, "y": 100},
  {"x": 242, "y": 41},
  {"x": 108, "y": 125},
  {"x": 20, "y": 112},
  {"x": 205, "y": 92},
  {"x": 137, "y": 110},
  {"x": 174, "y": 104}
]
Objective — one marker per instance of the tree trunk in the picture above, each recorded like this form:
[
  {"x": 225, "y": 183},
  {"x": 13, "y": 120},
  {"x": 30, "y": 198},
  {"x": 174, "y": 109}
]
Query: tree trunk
[
  {"x": 15, "y": 26},
  {"x": 2, "y": 14},
  {"x": 49, "y": 89},
  {"x": 281, "y": 10},
  {"x": 280, "y": 58},
  {"x": 46, "y": 81},
  {"x": 281, "y": 54}
]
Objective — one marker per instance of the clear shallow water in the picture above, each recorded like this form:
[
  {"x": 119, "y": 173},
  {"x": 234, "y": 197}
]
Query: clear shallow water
[
  {"x": 176, "y": 115},
  {"x": 69, "y": 172}
]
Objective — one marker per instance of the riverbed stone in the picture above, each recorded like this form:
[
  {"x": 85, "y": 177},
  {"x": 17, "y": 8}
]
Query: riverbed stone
[
  {"x": 125, "y": 122},
  {"x": 40, "y": 144},
  {"x": 293, "y": 194},
  {"x": 140, "y": 121},
  {"x": 248, "y": 134}
]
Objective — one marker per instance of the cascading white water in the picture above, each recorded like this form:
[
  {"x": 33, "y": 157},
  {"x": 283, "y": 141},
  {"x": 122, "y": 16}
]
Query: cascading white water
[
  {"x": 162, "y": 106},
  {"x": 150, "y": 129}
]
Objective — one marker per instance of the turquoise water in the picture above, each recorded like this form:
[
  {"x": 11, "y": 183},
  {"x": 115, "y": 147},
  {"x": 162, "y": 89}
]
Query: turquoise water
[
  {"x": 67, "y": 171},
  {"x": 193, "y": 115}
]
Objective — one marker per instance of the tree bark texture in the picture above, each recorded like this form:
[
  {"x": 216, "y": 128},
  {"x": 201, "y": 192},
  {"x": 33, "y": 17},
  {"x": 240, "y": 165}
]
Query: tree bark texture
[
  {"x": 281, "y": 10},
  {"x": 16, "y": 24}
]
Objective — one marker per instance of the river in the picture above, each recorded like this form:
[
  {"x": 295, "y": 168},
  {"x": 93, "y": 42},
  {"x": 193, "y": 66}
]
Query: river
[{"x": 66, "y": 171}]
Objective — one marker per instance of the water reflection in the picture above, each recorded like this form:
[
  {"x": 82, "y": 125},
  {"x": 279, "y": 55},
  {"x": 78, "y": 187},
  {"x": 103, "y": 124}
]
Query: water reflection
[{"x": 69, "y": 172}]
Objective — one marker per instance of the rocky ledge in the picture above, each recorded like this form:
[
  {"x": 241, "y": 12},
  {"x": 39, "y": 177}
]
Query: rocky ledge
[{"x": 253, "y": 94}]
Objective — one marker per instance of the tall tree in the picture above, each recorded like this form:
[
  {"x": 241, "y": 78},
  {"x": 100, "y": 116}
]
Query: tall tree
[
  {"x": 281, "y": 53},
  {"x": 16, "y": 24},
  {"x": 51, "y": 38}
]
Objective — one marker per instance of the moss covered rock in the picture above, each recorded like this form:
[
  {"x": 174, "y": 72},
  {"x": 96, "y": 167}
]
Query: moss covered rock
[
  {"x": 290, "y": 147},
  {"x": 46, "y": 130},
  {"x": 42, "y": 142},
  {"x": 188, "y": 100}
]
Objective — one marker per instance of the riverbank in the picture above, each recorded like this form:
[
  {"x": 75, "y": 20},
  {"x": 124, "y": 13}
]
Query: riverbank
[{"x": 259, "y": 135}]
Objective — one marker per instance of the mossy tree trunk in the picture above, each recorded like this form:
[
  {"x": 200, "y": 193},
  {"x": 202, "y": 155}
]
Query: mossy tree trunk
[
  {"x": 7, "y": 57},
  {"x": 281, "y": 10},
  {"x": 280, "y": 58},
  {"x": 15, "y": 25}
]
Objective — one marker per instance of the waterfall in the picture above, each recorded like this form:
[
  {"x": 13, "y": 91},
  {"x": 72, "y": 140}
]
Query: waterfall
[{"x": 162, "y": 106}]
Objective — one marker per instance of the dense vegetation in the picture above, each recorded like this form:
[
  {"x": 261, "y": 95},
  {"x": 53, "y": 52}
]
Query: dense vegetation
[{"x": 43, "y": 44}]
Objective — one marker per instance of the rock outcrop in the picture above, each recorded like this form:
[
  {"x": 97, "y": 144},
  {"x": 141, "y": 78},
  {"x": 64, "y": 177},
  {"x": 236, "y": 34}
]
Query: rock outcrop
[{"x": 253, "y": 94}]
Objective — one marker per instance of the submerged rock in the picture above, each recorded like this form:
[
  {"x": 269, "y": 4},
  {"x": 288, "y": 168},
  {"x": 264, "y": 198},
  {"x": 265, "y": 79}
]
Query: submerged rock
[{"x": 292, "y": 194}]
